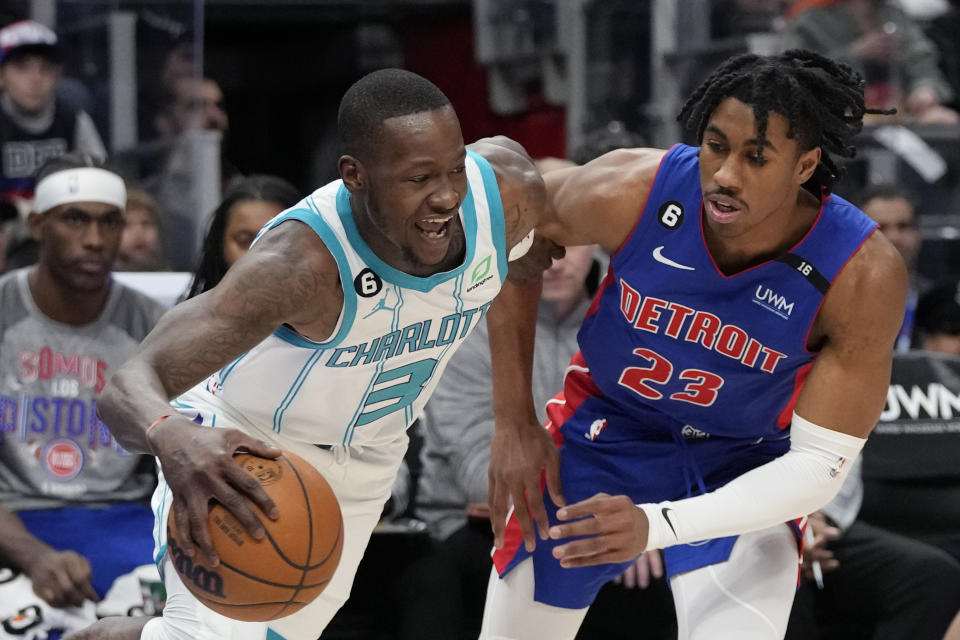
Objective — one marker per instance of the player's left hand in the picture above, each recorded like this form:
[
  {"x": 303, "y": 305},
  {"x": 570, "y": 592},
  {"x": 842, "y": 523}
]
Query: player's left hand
[{"x": 616, "y": 526}]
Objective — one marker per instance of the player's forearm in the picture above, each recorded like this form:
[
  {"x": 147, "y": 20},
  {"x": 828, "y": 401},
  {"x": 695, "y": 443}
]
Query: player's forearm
[
  {"x": 132, "y": 400},
  {"x": 512, "y": 323},
  {"x": 17, "y": 545},
  {"x": 793, "y": 485}
]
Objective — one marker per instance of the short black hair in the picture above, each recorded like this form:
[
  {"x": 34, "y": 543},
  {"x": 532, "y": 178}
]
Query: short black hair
[
  {"x": 48, "y": 52},
  {"x": 938, "y": 311},
  {"x": 263, "y": 188},
  {"x": 387, "y": 93},
  {"x": 821, "y": 99},
  {"x": 71, "y": 160}
]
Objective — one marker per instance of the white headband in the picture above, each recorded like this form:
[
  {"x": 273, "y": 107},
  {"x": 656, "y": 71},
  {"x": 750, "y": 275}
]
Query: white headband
[{"x": 85, "y": 184}]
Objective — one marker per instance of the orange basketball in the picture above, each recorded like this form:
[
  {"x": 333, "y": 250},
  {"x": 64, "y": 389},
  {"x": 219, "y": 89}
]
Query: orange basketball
[{"x": 259, "y": 580}]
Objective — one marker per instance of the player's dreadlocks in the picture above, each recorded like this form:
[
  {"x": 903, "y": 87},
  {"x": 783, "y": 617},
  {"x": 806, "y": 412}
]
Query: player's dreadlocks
[{"x": 822, "y": 101}]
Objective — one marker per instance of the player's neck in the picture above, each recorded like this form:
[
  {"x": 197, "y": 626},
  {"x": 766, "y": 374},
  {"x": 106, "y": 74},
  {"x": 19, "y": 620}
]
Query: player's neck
[{"x": 769, "y": 239}]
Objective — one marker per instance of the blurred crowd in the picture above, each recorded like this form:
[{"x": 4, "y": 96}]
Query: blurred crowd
[{"x": 64, "y": 312}]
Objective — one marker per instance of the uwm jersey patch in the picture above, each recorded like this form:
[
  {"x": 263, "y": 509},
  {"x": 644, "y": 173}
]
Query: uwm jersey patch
[
  {"x": 674, "y": 342},
  {"x": 395, "y": 334}
]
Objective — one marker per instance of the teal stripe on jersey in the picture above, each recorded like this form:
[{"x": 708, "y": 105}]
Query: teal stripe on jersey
[
  {"x": 226, "y": 372},
  {"x": 295, "y": 388},
  {"x": 316, "y": 222},
  {"x": 395, "y": 276},
  {"x": 458, "y": 292},
  {"x": 394, "y": 324},
  {"x": 498, "y": 229},
  {"x": 273, "y": 635},
  {"x": 161, "y": 523}
]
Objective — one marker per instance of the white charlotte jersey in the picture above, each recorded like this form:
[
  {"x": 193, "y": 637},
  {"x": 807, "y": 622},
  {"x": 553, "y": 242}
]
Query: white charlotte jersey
[{"x": 395, "y": 334}]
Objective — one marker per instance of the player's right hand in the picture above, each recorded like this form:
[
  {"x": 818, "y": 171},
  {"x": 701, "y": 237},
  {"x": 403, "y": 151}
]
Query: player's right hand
[
  {"x": 198, "y": 466},
  {"x": 518, "y": 458},
  {"x": 61, "y": 578}
]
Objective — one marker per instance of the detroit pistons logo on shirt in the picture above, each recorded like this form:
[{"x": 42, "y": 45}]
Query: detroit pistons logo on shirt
[{"x": 63, "y": 459}]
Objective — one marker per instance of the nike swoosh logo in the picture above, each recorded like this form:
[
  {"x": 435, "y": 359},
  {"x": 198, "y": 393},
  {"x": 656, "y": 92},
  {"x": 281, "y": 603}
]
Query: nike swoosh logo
[
  {"x": 659, "y": 257},
  {"x": 666, "y": 517}
]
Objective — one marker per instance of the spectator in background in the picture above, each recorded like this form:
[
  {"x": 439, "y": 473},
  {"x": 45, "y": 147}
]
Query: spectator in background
[
  {"x": 938, "y": 319},
  {"x": 169, "y": 169},
  {"x": 74, "y": 517},
  {"x": 875, "y": 584},
  {"x": 891, "y": 207},
  {"x": 897, "y": 60},
  {"x": 34, "y": 123},
  {"x": 140, "y": 243},
  {"x": 247, "y": 205},
  {"x": 193, "y": 103}
]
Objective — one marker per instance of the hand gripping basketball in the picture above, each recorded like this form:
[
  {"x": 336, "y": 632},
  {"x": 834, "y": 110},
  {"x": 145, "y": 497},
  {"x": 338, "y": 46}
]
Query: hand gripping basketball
[{"x": 259, "y": 580}]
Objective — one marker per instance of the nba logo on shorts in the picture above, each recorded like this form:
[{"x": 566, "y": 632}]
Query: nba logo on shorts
[{"x": 596, "y": 427}]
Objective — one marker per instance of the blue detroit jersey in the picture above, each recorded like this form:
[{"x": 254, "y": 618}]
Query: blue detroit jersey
[
  {"x": 687, "y": 377},
  {"x": 672, "y": 342}
]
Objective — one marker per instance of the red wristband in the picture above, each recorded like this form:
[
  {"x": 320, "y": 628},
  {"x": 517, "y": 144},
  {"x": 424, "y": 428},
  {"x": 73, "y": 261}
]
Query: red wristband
[{"x": 153, "y": 424}]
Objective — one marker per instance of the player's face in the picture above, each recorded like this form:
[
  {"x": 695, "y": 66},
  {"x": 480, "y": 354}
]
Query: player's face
[
  {"x": 244, "y": 221},
  {"x": 79, "y": 242},
  {"x": 895, "y": 219},
  {"x": 743, "y": 193},
  {"x": 417, "y": 184},
  {"x": 29, "y": 81}
]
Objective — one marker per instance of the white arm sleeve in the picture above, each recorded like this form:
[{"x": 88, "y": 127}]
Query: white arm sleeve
[{"x": 796, "y": 484}]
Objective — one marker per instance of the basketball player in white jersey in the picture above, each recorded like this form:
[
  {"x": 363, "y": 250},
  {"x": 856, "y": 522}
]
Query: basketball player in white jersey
[{"x": 328, "y": 337}]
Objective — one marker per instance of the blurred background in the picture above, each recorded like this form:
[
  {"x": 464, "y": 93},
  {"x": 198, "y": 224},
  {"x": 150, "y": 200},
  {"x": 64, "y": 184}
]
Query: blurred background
[{"x": 188, "y": 95}]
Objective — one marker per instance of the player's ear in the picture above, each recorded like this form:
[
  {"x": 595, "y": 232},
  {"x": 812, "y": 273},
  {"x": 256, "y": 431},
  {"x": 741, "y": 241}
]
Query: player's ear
[
  {"x": 352, "y": 172},
  {"x": 807, "y": 164},
  {"x": 35, "y": 224}
]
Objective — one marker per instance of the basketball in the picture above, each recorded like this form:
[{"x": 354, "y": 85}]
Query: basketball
[{"x": 260, "y": 580}]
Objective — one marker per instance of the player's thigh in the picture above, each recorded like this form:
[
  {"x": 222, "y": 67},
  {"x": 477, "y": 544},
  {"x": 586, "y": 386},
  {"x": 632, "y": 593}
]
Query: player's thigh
[
  {"x": 511, "y": 613},
  {"x": 184, "y": 618},
  {"x": 747, "y": 597}
]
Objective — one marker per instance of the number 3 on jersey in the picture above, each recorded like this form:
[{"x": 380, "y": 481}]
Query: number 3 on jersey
[
  {"x": 385, "y": 398},
  {"x": 700, "y": 390}
]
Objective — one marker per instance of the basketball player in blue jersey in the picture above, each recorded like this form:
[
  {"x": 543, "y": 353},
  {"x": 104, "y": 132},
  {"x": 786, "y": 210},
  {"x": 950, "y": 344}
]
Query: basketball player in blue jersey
[
  {"x": 731, "y": 367},
  {"x": 327, "y": 337}
]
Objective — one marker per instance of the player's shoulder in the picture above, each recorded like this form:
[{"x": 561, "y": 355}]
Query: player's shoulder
[
  {"x": 629, "y": 169},
  {"x": 870, "y": 289},
  {"x": 510, "y": 162}
]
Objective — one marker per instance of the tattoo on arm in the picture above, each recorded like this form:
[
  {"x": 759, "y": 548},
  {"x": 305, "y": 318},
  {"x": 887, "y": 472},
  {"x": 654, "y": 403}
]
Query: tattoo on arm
[
  {"x": 513, "y": 217},
  {"x": 254, "y": 299}
]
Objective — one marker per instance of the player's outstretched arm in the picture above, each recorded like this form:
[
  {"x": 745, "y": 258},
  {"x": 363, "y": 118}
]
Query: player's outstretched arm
[
  {"x": 288, "y": 276},
  {"x": 520, "y": 449},
  {"x": 599, "y": 202},
  {"x": 584, "y": 205},
  {"x": 838, "y": 407}
]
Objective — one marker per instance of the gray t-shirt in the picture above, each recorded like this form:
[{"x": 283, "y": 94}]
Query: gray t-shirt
[{"x": 54, "y": 451}]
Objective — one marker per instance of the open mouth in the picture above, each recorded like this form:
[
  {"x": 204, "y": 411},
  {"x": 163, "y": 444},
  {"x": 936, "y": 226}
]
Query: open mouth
[
  {"x": 722, "y": 209},
  {"x": 435, "y": 228}
]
